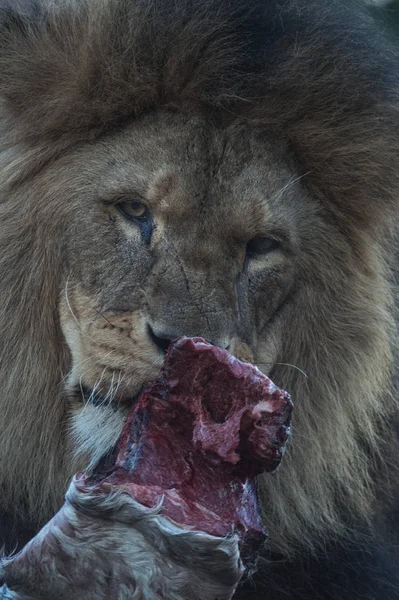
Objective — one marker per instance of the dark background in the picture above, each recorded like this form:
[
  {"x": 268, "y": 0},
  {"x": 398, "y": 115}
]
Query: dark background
[{"x": 389, "y": 16}]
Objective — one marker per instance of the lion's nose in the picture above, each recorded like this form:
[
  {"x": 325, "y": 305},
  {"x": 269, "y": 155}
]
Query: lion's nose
[{"x": 162, "y": 339}]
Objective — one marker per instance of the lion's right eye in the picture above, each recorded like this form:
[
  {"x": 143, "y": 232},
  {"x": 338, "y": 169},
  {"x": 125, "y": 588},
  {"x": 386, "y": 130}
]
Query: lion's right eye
[
  {"x": 259, "y": 246},
  {"x": 134, "y": 210}
]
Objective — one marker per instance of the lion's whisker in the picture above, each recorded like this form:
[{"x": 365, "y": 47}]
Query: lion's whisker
[
  {"x": 80, "y": 363},
  {"x": 81, "y": 388},
  {"x": 284, "y": 365},
  {"x": 288, "y": 185},
  {"x": 117, "y": 386},
  {"x": 105, "y": 400},
  {"x": 94, "y": 390},
  {"x": 98, "y": 382},
  {"x": 101, "y": 315},
  {"x": 69, "y": 304}
]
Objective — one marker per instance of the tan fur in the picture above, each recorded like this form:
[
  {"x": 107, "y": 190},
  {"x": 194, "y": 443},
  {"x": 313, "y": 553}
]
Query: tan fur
[{"x": 101, "y": 99}]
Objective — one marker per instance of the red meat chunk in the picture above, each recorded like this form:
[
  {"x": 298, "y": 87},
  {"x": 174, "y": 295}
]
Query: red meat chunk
[{"x": 197, "y": 438}]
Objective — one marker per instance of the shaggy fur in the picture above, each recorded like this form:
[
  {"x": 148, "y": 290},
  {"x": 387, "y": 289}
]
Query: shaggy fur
[
  {"x": 315, "y": 76},
  {"x": 105, "y": 545}
]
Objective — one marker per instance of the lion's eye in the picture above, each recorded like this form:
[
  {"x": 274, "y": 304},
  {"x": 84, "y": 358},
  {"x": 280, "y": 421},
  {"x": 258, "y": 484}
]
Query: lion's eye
[
  {"x": 134, "y": 210},
  {"x": 262, "y": 245}
]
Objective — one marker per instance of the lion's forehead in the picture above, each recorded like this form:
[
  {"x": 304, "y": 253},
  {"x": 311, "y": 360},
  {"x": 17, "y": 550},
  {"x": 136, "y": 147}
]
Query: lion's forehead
[{"x": 190, "y": 172}]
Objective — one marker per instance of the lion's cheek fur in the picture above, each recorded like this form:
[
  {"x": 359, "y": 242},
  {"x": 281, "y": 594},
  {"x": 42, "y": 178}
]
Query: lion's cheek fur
[{"x": 109, "y": 546}]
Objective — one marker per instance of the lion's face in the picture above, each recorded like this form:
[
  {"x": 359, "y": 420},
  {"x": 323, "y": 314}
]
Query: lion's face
[{"x": 177, "y": 229}]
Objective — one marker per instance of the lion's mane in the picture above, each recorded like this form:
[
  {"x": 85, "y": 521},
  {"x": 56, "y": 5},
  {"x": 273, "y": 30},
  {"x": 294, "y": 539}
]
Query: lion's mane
[{"x": 321, "y": 77}]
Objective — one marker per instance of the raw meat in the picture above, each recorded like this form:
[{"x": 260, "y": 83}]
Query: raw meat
[{"x": 197, "y": 438}]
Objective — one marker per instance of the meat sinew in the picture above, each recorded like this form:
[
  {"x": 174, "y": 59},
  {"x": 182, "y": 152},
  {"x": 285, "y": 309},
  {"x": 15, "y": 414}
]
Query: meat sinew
[{"x": 198, "y": 437}]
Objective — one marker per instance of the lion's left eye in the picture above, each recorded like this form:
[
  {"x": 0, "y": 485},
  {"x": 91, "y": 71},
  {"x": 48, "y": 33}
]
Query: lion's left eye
[
  {"x": 134, "y": 210},
  {"x": 262, "y": 245}
]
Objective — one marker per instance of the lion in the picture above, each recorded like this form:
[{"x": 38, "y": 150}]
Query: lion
[{"x": 215, "y": 168}]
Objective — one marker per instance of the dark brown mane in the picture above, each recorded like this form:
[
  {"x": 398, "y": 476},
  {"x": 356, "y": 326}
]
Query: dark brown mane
[{"x": 319, "y": 75}]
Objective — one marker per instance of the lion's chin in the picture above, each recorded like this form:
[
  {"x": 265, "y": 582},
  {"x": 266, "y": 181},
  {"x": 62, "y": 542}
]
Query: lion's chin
[
  {"x": 94, "y": 431},
  {"x": 97, "y": 420}
]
